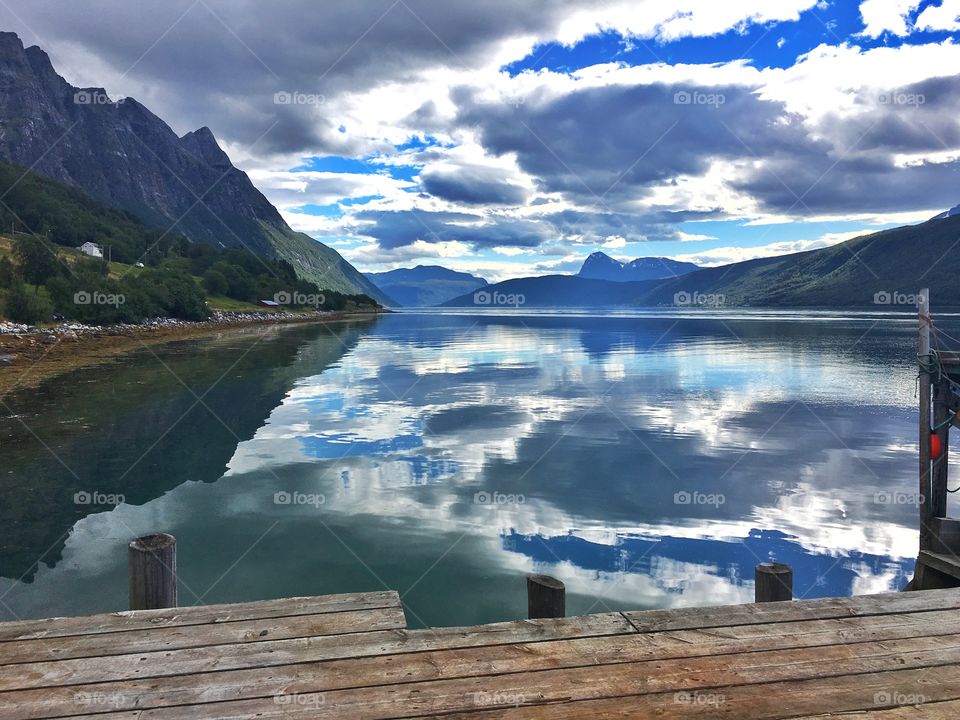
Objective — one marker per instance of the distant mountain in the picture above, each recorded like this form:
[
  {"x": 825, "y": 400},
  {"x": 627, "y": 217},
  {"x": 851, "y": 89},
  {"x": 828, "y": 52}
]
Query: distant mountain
[
  {"x": 880, "y": 269},
  {"x": 554, "y": 291},
  {"x": 955, "y": 210},
  {"x": 126, "y": 157},
  {"x": 600, "y": 266},
  {"x": 425, "y": 285}
]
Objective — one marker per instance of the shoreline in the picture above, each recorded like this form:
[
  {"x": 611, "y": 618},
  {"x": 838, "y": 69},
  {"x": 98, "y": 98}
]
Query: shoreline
[{"x": 30, "y": 356}]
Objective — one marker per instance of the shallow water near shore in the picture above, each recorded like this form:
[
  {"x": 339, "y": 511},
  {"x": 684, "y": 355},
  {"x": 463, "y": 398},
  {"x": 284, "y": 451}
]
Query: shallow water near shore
[{"x": 647, "y": 459}]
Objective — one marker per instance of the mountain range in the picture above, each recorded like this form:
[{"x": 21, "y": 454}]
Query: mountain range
[
  {"x": 600, "y": 266},
  {"x": 121, "y": 154},
  {"x": 881, "y": 268},
  {"x": 425, "y": 285}
]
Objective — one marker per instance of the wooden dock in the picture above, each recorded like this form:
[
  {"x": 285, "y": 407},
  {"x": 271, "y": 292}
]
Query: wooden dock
[{"x": 883, "y": 657}]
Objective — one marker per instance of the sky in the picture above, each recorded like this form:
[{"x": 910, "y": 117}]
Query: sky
[{"x": 510, "y": 137}]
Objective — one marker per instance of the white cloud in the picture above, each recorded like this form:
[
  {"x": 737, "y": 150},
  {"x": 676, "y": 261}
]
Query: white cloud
[
  {"x": 692, "y": 237},
  {"x": 667, "y": 20},
  {"x": 830, "y": 97},
  {"x": 943, "y": 17},
  {"x": 371, "y": 256},
  {"x": 727, "y": 255},
  {"x": 291, "y": 189},
  {"x": 880, "y": 16}
]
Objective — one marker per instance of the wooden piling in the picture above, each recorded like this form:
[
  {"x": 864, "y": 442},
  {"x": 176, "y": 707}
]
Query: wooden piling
[
  {"x": 152, "y": 568},
  {"x": 923, "y": 352},
  {"x": 773, "y": 582},
  {"x": 546, "y": 597},
  {"x": 941, "y": 417}
]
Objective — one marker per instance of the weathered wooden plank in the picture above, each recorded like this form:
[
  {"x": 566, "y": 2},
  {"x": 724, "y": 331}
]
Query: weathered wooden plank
[
  {"x": 678, "y": 643},
  {"x": 271, "y": 653},
  {"x": 688, "y": 676},
  {"x": 822, "y": 608},
  {"x": 390, "y": 669},
  {"x": 948, "y": 710},
  {"x": 197, "y": 615},
  {"x": 189, "y": 636},
  {"x": 945, "y": 533},
  {"x": 830, "y": 697},
  {"x": 948, "y": 564}
]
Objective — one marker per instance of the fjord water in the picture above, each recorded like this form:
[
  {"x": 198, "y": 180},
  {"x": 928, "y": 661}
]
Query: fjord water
[{"x": 647, "y": 459}]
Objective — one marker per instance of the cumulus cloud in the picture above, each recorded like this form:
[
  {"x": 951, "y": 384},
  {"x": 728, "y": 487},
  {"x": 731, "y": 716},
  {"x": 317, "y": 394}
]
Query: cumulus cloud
[
  {"x": 553, "y": 161},
  {"x": 473, "y": 186},
  {"x": 396, "y": 229},
  {"x": 943, "y": 17},
  {"x": 728, "y": 255},
  {"x": 616, "y": 142},
  {"x": 880, "y": 16},
  {"x": 211, "y": 63}
]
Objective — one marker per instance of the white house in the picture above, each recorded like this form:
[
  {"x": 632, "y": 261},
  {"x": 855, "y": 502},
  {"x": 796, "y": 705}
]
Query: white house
[{"x": 91, "y": 249}]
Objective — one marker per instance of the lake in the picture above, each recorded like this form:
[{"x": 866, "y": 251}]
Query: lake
[{"x": 647, "y": 459}]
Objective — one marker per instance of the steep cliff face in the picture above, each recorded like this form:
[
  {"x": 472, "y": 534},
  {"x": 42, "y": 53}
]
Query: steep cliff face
[
  {"x": 120, "y": 153},
  {"x": 600, "y": 266}
]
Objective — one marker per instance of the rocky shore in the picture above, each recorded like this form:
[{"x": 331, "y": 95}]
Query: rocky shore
[{"x": 31, "y": 354}]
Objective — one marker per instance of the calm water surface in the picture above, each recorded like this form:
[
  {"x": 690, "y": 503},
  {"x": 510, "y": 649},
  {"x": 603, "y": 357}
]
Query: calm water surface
[{"x": 646, "y": 459}]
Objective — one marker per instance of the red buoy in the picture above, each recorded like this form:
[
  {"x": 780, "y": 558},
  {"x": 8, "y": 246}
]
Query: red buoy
[{"x": 936, "y": 447}]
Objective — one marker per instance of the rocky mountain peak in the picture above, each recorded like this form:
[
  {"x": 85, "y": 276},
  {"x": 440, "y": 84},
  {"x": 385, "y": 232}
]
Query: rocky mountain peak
[
  {"x": 203, "y": 145},
  {"x": 123, "y": 155}
]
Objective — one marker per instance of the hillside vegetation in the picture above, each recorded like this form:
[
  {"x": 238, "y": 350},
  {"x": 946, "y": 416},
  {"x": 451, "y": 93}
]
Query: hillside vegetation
[{"x": 43, "y": 274}]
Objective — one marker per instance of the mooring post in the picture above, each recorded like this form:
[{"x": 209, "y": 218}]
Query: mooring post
[
  {"x": 941, "y": 417},
  {"x": 152, "y": 567},
  {"x": 773, "y": 582},
  {"x": 923, "y": 353},
  {"x": 546, "y": 597}
]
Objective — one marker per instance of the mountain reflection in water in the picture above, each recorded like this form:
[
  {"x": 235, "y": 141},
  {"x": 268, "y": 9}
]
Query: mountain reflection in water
[{"x": 646, "y": 459}]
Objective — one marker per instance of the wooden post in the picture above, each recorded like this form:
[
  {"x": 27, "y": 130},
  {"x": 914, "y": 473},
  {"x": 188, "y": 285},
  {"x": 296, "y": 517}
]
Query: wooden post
[
  {"x": 923, "y": 351},
  {"x": 152, "y": 567},
  {"x": 546, "y": 597},
  {"x": 773, "y": 582},
  {"x": 938, "y": 480}
]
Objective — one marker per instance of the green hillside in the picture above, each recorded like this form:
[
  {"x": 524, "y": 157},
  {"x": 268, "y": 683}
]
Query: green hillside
[
  {"x": 901, "y": 260},
  {"x": 883, "y": 268},
  {"x": 42, "y": 270}
]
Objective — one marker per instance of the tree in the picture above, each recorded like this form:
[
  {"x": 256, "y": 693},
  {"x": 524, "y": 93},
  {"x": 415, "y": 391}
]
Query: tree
[
  {"x": 37, "y": 260},
  {"x": 7, "y": 272},
  {"x": 215, "y": 282},
  {"x": 22, "y": 307}
]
